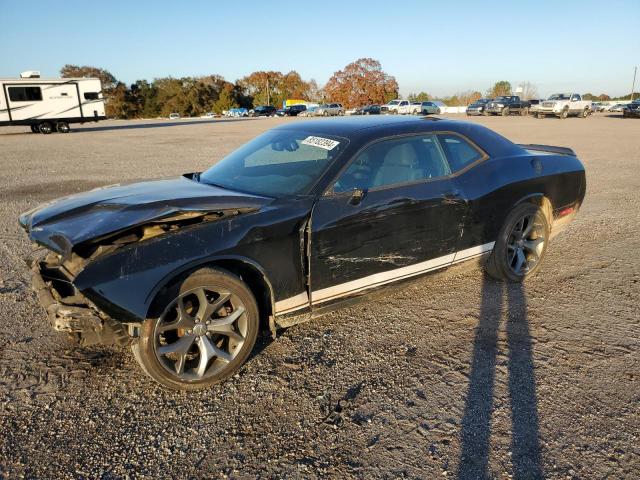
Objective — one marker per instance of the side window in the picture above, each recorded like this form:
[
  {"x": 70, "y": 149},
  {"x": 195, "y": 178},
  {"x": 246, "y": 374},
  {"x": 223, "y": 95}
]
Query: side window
[
  {"x": 91, "y": 95},
  {"x": 394, "y": 162},
  {"x": 25, "y": 94},
  {"x": 575, "y": 98},
  {"x": 460, "y": 153}
]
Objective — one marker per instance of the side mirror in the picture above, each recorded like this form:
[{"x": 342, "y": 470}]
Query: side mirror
[{"x": 357, "y": 195}]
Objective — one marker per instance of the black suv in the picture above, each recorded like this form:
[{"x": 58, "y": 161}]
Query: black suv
[
  {"x": 294, "y": 110},
  {"x": 506, "y": 105},
  {"x": 264, "y": 111}
]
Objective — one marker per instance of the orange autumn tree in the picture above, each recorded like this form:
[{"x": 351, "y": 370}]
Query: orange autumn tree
[{"x": 362, "y": 82}]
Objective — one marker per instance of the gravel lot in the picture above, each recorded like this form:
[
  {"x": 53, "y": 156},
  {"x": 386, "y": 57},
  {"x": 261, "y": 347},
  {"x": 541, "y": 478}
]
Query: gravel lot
[{"x": 450, "y": 376}]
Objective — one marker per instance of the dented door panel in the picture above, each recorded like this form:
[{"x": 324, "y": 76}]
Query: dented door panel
[{"x": 389, "y": 229}]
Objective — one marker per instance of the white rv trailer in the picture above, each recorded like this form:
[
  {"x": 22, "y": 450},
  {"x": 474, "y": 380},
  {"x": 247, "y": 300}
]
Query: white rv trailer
[{"x": 50, "y": 105}]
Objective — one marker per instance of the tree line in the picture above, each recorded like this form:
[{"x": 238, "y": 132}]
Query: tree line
[{"x": 360, "y": 83}]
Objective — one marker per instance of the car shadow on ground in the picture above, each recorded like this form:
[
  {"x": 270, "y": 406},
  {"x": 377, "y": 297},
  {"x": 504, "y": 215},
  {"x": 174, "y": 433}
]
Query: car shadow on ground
[{"x": 476, "y": 422}]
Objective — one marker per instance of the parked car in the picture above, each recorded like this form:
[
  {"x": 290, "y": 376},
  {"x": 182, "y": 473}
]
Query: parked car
[
  {"x": 534, "y": 105},
  {"x": 237, "y": 112},
  {"x": 263, "y": 111},
  {"x": 409, "y": 108},
  {"x": 596, "y": 107},
  {"x": 563, "y": 105},
  {"x": 330, "y": 110},
  {"x": 393, "y": 105},
  {"x": 300, "y": 220},
  {"x": 428, "y": 108},
  {"x": 506, "y": 105},
  {"x": 208, "y": 115},
  {"x": 294, "y": 110},
  {"x": 631, "y": 110},
  {"x": 618, "y": 107},
  {"x": 478, "y": 107},
  {"x": 309, "y": 112},
  {"x": 368, "y": 110},
  {"x": 174, "y": 116}
]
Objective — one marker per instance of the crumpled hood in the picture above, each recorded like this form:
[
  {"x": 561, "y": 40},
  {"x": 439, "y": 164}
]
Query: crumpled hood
[{"x": 66, "y": 222}]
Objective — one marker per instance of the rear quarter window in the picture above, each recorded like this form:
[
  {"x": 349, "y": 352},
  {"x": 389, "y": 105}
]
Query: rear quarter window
[{"x": 460, "y": 153}]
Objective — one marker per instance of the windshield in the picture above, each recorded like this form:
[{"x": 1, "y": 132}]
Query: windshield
[
  {"x": 394, "y": 102},
  {"x": 483, "y": 100},
  {"x": 277, "y": 163},
  {"x": 560, "y": 96}
]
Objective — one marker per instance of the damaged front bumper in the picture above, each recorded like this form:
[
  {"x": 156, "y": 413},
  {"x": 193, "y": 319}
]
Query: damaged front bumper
[{"x": 69, "y": 311}]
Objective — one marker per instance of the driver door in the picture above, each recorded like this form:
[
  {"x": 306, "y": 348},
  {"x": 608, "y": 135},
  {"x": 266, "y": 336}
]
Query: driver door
[{"x": 392, "y": 214}]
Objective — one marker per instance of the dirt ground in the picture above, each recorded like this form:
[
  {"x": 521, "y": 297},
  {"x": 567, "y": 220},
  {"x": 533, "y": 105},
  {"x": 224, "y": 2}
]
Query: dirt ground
[{"x": 453, "y": 375}]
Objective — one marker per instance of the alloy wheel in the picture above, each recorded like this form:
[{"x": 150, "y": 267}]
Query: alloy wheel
[
  {"x": 200, "y": 333},
  {"x": 525, "y": 244}
]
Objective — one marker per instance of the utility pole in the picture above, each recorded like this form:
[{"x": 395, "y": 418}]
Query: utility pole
[{"x": 633, "y": 85}]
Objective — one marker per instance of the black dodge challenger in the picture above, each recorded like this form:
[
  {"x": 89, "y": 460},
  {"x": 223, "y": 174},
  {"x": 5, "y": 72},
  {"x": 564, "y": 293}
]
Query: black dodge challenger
[{"x": 294, "y": 223}]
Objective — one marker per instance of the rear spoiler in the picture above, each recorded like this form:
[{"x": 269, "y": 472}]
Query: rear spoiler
[{"x": 549, "y": 148}]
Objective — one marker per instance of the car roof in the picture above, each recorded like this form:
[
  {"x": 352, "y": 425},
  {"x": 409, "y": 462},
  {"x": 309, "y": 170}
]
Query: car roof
[{"x": 367, "y": 128}]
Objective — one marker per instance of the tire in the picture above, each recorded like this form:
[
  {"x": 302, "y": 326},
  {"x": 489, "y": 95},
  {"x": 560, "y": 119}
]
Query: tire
[
  {"x": 485, "y": 113},
  {"x": 45, "y": 127},
  {"x": 62, "y": 127},
  {"x": 585, "y": 113},
  {"x": 564, "y": 114},
  {"x": 529, "y": 249},
  {"x": 524, "y": 112},
  {"x": 505, "y": 111},
  {"x": 226, "y": 342},
  {"x": 34, "y": 128},
  {"x": 539, "y": 115},
  {"x": 326, "y": 114}
]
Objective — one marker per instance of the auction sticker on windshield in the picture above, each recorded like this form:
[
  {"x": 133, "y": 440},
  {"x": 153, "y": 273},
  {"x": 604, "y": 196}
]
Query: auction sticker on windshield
[{"x": 325, "y": 143}]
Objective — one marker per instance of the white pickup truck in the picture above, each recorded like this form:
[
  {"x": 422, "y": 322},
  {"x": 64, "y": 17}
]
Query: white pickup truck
[
  {"x": 564, "y": 104},
  {"x": 393, "y": 106},
  {"x": 403, "y": 107}
]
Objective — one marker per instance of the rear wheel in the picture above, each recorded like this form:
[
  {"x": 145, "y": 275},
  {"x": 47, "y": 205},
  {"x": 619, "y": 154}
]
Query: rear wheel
[
  {"x": 521, "y": 244},
  {"x": 45, "y": 127},
  {"x": 204, "y": 334},
  {"x": 524, "y": 112},
  {"x": 62, "y": 127}
]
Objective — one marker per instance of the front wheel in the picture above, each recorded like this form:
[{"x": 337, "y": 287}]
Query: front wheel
[
  {"x": 205, "y": 333},
  {"x": 505, "y": 111},
  {"x": 521, "y": 244},
  {"x": 585, "y": 113},
  {"x": 564, "y": 114}
]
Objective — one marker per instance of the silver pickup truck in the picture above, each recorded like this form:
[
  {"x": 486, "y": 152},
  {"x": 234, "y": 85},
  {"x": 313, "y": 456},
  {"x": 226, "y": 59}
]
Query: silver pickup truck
[{"x": 563, "y": 105}]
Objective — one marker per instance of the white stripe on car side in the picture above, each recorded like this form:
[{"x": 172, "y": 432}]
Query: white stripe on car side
[
  {"x": 293, "y": 303},
  {"x": 377, "y": 279}
]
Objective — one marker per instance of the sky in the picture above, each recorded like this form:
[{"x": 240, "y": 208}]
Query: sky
[{"x": 440, "y": 47}]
